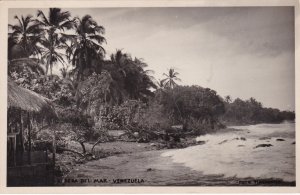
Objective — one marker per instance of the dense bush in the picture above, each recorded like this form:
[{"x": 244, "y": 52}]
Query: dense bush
[
  {"x": 154, "y": 117},
  {"x": 124, "y": 116},
  {"x": 195, "y": 108},
  {"x": 252, "y": 112},
  {"x": 191, "y": 105}
]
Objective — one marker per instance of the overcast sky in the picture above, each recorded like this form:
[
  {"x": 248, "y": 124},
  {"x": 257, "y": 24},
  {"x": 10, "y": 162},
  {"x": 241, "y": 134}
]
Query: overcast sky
[{"x": 241, "y": 52}]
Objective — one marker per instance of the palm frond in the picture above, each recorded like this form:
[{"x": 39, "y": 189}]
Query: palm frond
[
  {"x": 176, "y": 78},
  {"x": 149, "y": 72},
  {"x": 175, "y": 74},
  {"x": 16, "y": 29},
  {"x": 44, "y": 18},
  {"x": 34, "y": 28},
  {"x": 100, "y": 39},
  {"x": 20, "y": 22},
  {"x": 164, "y": 80},
  {"x": 164, "y": 74},
  {"x": 63, "y": 16},
  {"x": 100, "y": 29},
  {"x": 66, "y": 25},
  {"x": 28, "y": 19}
]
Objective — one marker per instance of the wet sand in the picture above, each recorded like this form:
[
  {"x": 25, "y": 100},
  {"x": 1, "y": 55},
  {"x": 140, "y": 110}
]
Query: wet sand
[
  {"x": 142, "y": 168},
  {"x": 148, "y": 168}
]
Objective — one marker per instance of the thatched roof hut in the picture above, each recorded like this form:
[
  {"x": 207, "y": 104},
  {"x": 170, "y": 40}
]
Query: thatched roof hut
[
  {"x": 24, "y": 99},
  {"x": 24, "y": 108}
]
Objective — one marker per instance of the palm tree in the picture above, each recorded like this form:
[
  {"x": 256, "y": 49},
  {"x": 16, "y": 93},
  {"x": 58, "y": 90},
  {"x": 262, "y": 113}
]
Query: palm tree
[
  {"x": 51, "y": 54},
  {"x": 119, "y": 69},
  {"x": 120, "y": 61},
  {"x": 132, "y": 75},
  {"x": 56, "y": 22},
  {"x": 26, "y": 34},
  {"x": 86, "y": 47},
  {"x": 160, "y": 84},
  {"x": 170, "y": 79},
  {"x": 144, "y": 80},
  {"x": 141, "y": 66},
  {"x": 228, "y": 99},
  {"x": 64, "y": 71}
]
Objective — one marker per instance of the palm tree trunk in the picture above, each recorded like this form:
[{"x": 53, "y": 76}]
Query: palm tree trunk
[
  {"x": 51, "y": 62},
  {"x": 47, "y": 66}
]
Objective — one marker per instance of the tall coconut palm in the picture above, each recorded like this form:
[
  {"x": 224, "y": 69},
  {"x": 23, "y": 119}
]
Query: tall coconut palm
[
  {"x": 86, "y": 47},
  {"x": 132, "y": 75},
  {"x": 120, "y": 61},
  {"x": 170, "y": 79},
  {"x": 169, "y": 83},
  {"x": 51, "y": 54},
  {"x": 53, "y": 25},
  {"x": 146, "y": 80},
  {"x": 138, "y": 80},
  {"x": 141, "y": 65},
  {"x": 26, "y": 34}
]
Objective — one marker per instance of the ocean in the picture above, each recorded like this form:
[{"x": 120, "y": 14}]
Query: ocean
[{"x": 263, "y": 151}]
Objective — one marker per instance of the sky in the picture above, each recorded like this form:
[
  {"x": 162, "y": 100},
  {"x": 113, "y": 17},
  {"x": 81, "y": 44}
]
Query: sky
[{"x": 238, "y": 51}]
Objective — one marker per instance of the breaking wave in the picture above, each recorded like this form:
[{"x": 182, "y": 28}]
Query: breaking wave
[{"x": 260, "y": 151}]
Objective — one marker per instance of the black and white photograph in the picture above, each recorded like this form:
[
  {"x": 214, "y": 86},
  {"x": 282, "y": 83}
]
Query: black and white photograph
[{"x": 151, "y": 96}]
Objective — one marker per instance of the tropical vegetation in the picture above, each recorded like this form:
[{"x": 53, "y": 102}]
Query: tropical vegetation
[{"x": 95, "y": 93}]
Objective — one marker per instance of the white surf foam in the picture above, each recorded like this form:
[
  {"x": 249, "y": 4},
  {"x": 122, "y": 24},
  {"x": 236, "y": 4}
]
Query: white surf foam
[{"x": 230, "y": 155}]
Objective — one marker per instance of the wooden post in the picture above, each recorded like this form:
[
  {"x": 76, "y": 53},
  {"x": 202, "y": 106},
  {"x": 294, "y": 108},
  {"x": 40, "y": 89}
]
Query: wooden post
[
  {"x": 54, "y": 151},
  {"x": 29, "y": 138},
  {"x": 14, "y": 141},
  {"x": 21, "y": 133},
  {"x": 46, "y": 155},
  {"x": 54, "y": 146},
  {"x": 15, "y": 148}
]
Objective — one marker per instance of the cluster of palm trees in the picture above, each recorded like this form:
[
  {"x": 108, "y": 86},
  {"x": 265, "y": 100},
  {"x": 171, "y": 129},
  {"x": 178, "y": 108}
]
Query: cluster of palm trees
[
  {"x": 131, "y": 75},
  {"x": 55, "y": 37}
]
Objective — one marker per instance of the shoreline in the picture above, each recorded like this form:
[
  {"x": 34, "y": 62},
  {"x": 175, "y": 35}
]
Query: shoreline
[
  {"x": 141, "y": 164},
  {"x": 149, "y": 168}
]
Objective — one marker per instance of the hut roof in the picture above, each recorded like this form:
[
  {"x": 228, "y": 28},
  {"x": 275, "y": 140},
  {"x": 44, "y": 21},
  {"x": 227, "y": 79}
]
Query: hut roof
[{"x": 19, "y": 97}]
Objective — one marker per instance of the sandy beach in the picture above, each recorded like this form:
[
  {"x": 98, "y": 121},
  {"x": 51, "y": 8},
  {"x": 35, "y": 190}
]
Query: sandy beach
[
  {"x": 139, "y": 164},
  {"x": 142, "y": 168}
]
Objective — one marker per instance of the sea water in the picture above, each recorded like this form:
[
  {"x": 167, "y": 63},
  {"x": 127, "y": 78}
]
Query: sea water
[{"x": 235, "y": 152}]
